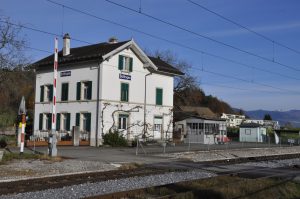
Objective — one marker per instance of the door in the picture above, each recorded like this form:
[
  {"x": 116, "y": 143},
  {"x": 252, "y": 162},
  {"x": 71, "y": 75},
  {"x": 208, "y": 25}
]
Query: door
[{"x": 157, "y": 130}]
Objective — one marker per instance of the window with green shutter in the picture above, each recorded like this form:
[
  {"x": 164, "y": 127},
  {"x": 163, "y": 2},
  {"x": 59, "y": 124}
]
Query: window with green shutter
[
  {"x": 41, "y": 121},
  {"x": 64, "y": 91},
  {"x": 88, "y": 122},
  {"x": 68, "y": 121},
  {"x": 42, "y": 94},
  {"x": 89, "y": 90},
  {"x": 78, "y": 93},
  {"x": 49, "y": 121},
  {"x": 77, "y": 119},
  {"x": 121, "y": 58},
  {"x": 125, "y": 63},
  {"x": 159, "y": 96},
  {"x": 124, "y": 92},
  {"x": 50, "y": 96},
  {"x": 58, "y": 121}
]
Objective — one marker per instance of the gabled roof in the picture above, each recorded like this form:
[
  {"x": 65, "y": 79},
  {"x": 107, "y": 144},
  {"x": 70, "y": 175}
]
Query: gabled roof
[
  {"x": 184, "y": 112},
  {"x": 103, "y": 51}
]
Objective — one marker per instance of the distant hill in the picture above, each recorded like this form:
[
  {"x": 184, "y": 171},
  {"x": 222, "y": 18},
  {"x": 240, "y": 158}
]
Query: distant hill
[{"x": 292, "y": 116}]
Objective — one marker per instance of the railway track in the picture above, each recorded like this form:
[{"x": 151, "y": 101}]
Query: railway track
[{"x": 152, "y": 169}]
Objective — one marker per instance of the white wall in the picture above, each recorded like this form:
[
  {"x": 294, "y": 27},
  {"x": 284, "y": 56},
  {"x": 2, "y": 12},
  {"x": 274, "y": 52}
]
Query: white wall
[
  {"x": 252, "y": 134},
  {"x": 109, "y": 93}
]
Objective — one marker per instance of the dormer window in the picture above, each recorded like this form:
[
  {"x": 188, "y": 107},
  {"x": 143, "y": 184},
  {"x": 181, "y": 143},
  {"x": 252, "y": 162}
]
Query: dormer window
[{"x": 125, "y": 63}]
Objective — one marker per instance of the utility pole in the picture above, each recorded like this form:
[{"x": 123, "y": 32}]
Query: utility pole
[
  {"x": 22, "y": 112},
  {"x": 52, "y": 135},
  {"x": 145, "y": 104}
]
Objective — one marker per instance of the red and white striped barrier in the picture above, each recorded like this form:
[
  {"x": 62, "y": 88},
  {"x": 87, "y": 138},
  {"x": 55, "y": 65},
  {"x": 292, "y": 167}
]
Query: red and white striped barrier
[{"x": 54, "y": 86}]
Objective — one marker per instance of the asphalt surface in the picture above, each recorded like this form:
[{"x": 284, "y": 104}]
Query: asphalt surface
[{"x": 147, "y": 154}]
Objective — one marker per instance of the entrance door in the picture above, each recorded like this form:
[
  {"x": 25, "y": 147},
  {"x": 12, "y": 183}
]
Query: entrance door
[{"x": 157, "y": 131}]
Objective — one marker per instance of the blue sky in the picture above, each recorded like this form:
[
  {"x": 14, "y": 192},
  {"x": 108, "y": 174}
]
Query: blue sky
[{"x": 277, "y": 19}]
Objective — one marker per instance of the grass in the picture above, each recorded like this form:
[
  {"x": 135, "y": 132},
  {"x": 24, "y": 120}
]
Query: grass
[{"x": 7, "y": 157}]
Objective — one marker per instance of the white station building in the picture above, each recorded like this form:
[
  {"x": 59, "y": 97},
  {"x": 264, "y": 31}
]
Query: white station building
[{"x": 102, "y": 87}]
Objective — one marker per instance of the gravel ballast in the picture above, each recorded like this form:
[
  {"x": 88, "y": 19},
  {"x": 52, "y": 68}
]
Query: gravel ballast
[
  {"x": 111, "y": 186},
  {"x": 202, "y": 156}
]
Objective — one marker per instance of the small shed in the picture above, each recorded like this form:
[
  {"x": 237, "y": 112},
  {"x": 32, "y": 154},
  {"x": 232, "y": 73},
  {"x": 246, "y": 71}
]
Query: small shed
[
  {"x": 252, "y": 132},
  {"x": 199, "y": 125}
]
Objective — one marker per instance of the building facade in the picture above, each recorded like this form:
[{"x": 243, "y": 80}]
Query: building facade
[
  {"x": 233, "y": 120},
  {"x": 265, "y": 123},
  {"x": 106, "y": 87}
]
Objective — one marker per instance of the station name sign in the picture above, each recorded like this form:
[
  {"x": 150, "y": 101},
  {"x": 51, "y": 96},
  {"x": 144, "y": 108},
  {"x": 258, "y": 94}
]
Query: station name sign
[
  {"x": 65, "y": 73},
  {"x": 123, "y": 76}
]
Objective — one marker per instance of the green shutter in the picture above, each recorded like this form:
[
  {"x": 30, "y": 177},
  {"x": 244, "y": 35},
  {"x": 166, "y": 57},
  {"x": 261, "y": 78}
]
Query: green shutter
[
  {"x": 51, "y": 93},
  {"x": 41, "y": 122},
  {"x": 77, "y": 119},
  {"x": 42, "y": 94},
  {"x": 49, "y": 121},
  {"x": 68, "y": 121},
  {"x": 78, "y": 90},
  {"x": 159, "y": 96},
  {"x": 57, "y": 121},
  {"x": 64, "y": 91},
  {"x": 88, "y": 121},
  {"x": 121, "y": 62},
  {"x": 124, "y": 92},
  {"x": 130, "y": 64},
  {"x": 89, "y": 91}
]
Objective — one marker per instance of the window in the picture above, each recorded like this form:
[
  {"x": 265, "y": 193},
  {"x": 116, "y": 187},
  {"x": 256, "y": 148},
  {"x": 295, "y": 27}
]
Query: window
[
  {"x": 125, "y": 63},
  {"x": 159, "y": 96},
  {"x": 84, "y": 90},
  {"x": 64, "y": 91},
  {"x": 124, "y": 92},
  {"x": 46, "y": 93},
  {"x": 63, "y": 121},
  {"x": 158, "y": 120},
  {"x": 83, "y": 120},
  {"x": 45, "y": 121},
  {"x": 123, "y": 121}
]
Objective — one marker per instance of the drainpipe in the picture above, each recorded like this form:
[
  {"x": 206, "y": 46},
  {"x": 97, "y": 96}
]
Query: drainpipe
[
  {"x": 145, "y": 101},
  {"x": 97, "y": 103}
]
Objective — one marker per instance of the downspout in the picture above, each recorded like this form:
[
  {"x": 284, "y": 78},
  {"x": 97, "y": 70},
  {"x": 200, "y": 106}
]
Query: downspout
[
  {"x": 97, "y": 103},
  {"x": 145, "y": 102}
]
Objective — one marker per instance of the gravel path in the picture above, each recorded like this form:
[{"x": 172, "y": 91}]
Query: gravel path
[{"x": 111, "y": 186}]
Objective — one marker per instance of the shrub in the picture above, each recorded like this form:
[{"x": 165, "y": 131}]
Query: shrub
[
  {"x": 114, "y": 139},
  {"x": 3, "y": 142}
]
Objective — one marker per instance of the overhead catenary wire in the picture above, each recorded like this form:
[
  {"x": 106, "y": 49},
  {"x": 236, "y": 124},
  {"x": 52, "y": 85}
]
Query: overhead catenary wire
[
  {"x": 172, "y": 42},
  {"x": 196, "y": 68},
  {"x": 245, "y": 27},
  {"x": 204, "y": 36}
]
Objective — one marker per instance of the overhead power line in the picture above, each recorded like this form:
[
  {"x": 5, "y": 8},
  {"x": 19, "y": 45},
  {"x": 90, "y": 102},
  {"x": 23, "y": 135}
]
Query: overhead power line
[
  {"x": 42, "y": 31},
  {"x": 244, "y": 27},
  {"x": 172, "y": 42},
  {"x": 196, "y": 68},
  {"x": 204, "y": 36}
]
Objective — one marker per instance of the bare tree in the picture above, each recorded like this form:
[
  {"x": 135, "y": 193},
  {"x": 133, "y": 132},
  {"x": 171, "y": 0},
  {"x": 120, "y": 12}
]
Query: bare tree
[
  {"x": 12, "y": 46},
  {"x": 181, "y": 82}
]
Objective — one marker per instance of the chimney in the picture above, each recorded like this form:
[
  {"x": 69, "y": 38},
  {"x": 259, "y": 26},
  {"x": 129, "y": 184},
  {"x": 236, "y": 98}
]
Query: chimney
[
  {"x": 112, "y": 40},
  {"x": 66, "y": 47}
]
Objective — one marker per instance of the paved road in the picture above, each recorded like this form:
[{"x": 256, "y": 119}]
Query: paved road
[{"x": 128, "y": 154}]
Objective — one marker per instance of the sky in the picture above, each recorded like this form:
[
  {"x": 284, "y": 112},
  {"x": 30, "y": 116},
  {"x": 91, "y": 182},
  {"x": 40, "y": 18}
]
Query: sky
[{"x": 249, "y": 81}]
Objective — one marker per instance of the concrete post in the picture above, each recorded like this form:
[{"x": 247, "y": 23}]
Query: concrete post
[{"x": 75, "y": 135}]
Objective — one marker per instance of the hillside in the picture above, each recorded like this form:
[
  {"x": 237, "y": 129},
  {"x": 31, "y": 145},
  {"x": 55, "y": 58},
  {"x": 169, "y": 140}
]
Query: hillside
[{"x": 292, "y": 116}]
